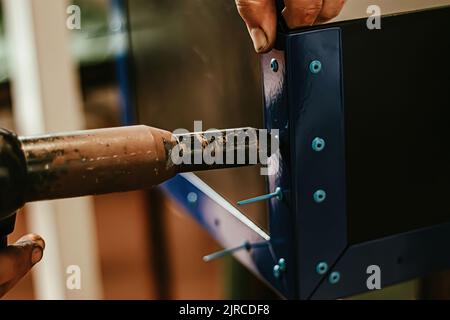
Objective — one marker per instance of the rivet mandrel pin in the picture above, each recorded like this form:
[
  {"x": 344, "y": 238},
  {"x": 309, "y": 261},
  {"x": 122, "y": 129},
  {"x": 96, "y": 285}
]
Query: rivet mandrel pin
[
  {"x": 278, "y": 193},
  {"x": 245, "y": 246}
]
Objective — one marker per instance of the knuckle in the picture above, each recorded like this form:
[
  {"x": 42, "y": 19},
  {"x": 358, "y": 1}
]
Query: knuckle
[
  {"x": 332, "y": 11},
  {"x": 310, "y": 14},
  {"x": 248, "y": 5},
  {"x": 303, "y": 13},
  {"x": 316, "y": 4},
  {"x": 313, "y": 8},
  {"x": 329, "y": 14},
  {"x": 253, "y": 11}
]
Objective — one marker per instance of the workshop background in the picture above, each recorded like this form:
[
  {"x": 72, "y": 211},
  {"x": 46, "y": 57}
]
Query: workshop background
[{"x": 160, "y": 63}]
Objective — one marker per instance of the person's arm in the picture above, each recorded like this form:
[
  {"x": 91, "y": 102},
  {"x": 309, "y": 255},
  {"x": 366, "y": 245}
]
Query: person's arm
[
  {"x": 17, "y": 259},
  {"x": 261, "y": 18}
]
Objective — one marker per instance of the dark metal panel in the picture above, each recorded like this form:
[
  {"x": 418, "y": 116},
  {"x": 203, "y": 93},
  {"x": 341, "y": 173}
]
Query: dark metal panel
[
  {"x": 397, "y": 187},
  {"x": 397, "y": 110},
  {"x": 400, "y": 258},
  {"x": 315, "y": 104},
  {"x": 304, "y": 104},
  {"x": 227, "y": 225},
  {"x": 282, "y": 230}
]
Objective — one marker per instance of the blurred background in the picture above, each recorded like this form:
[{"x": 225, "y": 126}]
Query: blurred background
[{"x": 160, "y": 63}]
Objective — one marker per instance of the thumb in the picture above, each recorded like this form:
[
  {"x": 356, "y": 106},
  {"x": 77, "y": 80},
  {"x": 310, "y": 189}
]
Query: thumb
[
  {"x": 261, "y": 20},
  {"x": 17, "y": 259}
]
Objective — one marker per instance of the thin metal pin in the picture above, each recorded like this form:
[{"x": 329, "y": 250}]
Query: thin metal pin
[
  {"x": 219, "y": 254},
  {"x": 245, "y": 246},
  {"x": 278, "y": 194}
]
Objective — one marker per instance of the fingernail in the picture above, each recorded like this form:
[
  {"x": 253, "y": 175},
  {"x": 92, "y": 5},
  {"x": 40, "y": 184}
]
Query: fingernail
[
  {"x": 259, "y": 39},
  {"x": 36, "y": 255}
]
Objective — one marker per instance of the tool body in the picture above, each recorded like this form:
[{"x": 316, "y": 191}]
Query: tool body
[{"x": 101, "y": 161}]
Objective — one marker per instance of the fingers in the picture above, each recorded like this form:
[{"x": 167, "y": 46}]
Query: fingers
[
  {"x": 17, "y": 259},
  {"x": 299, "y": 13},
  {"x": 330, "y": 10},
  {"x": 261, "y": 20}
]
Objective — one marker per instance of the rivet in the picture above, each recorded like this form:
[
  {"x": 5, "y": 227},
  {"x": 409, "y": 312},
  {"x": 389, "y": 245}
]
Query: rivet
[
  {"x": 318, "y": 144},
  {"x": 322, "y": 268},
  {"x": 192, "y": 197},
  {"x": 320, "y": 196},
  {"x": 315, "y": 66},
  {"x": 282, "y": 264},
  {"x": 276, "y": 271},
  {"x": 334, "y": 277},
  {"x": 274, "y": 65}
]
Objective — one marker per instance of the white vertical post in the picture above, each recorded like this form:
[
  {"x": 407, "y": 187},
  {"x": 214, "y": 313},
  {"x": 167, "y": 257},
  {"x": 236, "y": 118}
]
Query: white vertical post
[{"x": 46, "y": 98}]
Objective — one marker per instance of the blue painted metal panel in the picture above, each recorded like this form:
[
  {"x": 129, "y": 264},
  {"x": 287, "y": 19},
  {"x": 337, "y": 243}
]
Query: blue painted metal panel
[
  {"x": 276, "y": 116},
  {"x": 306, "y": 103},
  {"x": 227, "y": 225},
  {"x": 400, "y": 258},
  {"x": 315, "y": 106},
  {"x": 302, "y": 106}
]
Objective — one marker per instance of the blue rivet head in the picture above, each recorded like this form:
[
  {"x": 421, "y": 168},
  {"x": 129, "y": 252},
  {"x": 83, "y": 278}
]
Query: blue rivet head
[
  {"x": 192, "y": 197},
  {"x": 282, "y": 264},
  {"x": 274, "y": 65},
  {"x": 276, "y": 271},
  {"x": 278, "y": 193},
  {"x": 334, "y": 277},
  {"x": 320, "y": 196},
  {"x": 322, "y": 268},
  {"x": 315, "y": 66},
  {"x": 318, "y": 144}
]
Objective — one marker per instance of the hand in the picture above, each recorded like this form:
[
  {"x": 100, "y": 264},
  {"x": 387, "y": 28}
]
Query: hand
[
  {"x": 17, "y": 259},
  {"x": 261, "y": 18}
]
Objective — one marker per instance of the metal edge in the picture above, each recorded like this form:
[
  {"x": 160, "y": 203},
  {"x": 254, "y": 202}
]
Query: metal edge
[
  {"x": 227, "y": 225},
  {"x": 315, "y": 105}
]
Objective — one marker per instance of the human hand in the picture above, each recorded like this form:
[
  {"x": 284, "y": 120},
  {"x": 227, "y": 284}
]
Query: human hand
[
  {"x": 261, "y": 18},
  {"x": 17, "y": 259}
]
